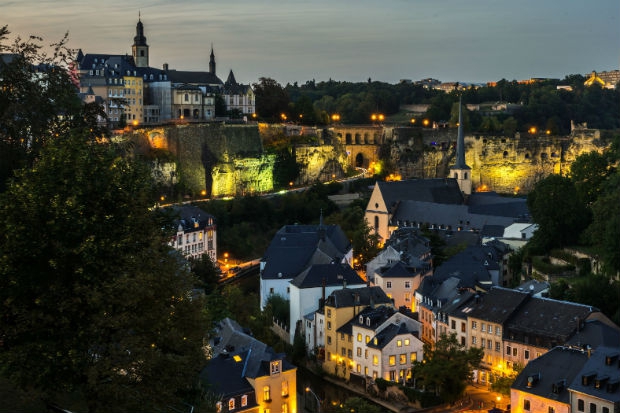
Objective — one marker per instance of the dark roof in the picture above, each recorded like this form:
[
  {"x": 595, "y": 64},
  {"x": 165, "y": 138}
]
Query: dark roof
[
  {"x": 603, "y": 363},
  {"x": 398, "y": 270},
  {"x": 440, "y": 190},
  {"x": 331, "y": 274},
  {"x": 192, "y": 218},
  {"x": 595, "y": 333},
  {"x": 225, "y": 377},
  {"x": 373, "y": 317},
  {"x": 496, "y": 231},
  {"x": 458, "y": 304},
  {"x": 385, "y": 336},
  {"x": 195, "y": 78},
  {"x": 112, "y": 66},
  {"x": 231, "y": 87},
  {"x": 350, "y": 297},
  {"x": 554, "y": 370},
  {"x": 546, "y": 322},
  {"x": 497, "y": 305},
  {"x": 295, "y": 247}
]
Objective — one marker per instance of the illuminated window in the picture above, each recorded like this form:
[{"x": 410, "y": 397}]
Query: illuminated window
[
  {"x": 218, "y": 407},
  {"x": 244, "y": 400},
  {"x": 285, "y": 408},
  {"x": 231, "y": 404},
  {"x": 413, "y": 357},
  {"x": 375, "y": 360},
  {"x": 392, "y": 360},
  {"x": 367, "y": 339},
  {"x": 399, "y": 343},
  {"x": 275, "y": 367},
  {"x": 284, "y": 388},
  {"x": 266, "y": 393},
  {"x": 403, "y": 359},
  {"x": 407, "y": 341},
  {"x": 359, "y": 337}
]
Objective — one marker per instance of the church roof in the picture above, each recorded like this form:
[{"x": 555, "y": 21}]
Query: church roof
[{"x": 438, "y": 190}]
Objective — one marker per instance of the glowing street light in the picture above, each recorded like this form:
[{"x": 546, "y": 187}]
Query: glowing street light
[
  {"x": 318, "y": 401},
  {"x": 532, "y": 130},
  {"x": 335, "y": 117},
  {"x": 426, "y": 122},
  {"x": 283, "y": 116},
  {"x": 412, "y": 121}
]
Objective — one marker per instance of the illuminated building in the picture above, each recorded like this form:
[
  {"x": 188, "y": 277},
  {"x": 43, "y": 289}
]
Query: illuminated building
[
  {"x": 247, "y": 375},
  {"x": 294, "y": 249},
  {"x": 340, "y": 307},
  {"x": 196, "y": 232}
]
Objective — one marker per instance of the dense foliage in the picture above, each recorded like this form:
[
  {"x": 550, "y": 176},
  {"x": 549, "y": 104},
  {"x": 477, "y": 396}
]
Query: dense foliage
[{"x": 537, "y": 104}]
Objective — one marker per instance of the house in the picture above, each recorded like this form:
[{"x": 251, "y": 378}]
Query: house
[
  {"x": 196, "y": 232},
  {"x": 452, "y": 317},
  {"x": 386, "y": 344},
  {"x": 247, "y": 375},
  {"x": 293, "y": 249},
  {"x": 515, "y": 235},
  {"x": 340, "y": 307},
  {"x": 399, "y": 282},
  {"x": 313, "y": 285},
  {"x": 542, "y": 386}
]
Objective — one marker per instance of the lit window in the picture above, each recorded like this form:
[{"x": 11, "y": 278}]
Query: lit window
[
  {"x": 231, "y": 404},
  {"x": 399, "y": 343},
  {"x": 266, "y": 393},
  {"x": 403, "y": 358},
  {"x": 406, "y": 341},
  {"x": 375, "y": 360},
  {"x": 359, "y": 337},
  {"x": 275, "y": 367},
  {"x": 244, "y": 400},
  {"x": 218, "y": 407},
  {"x": 392, "y": 360},
  {"x": 284, "y": 388},
  {"x": 413, "y": 357}
]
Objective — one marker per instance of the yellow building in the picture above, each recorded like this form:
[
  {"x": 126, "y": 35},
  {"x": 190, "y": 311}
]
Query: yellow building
[
  {"x": 133, "y": 99},
  {"x": 340, "y": 307},
  {"x": 247, "y": 375}
]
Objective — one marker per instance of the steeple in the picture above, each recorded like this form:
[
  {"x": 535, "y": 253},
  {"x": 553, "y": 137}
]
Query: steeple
[
  {"x": 460, "y": 171},
  {"x": 212, "y": 62},
  {"x": 139, "y": 49}
]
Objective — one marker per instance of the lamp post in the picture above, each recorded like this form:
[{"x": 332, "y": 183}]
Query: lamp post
[{"x": 318, "y": 401}]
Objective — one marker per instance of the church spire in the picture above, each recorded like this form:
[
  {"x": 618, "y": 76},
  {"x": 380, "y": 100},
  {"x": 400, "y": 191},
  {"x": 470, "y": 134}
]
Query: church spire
[
  {"x": 460, "y": 171},
  {"x": 212, "y": 62},
  {"x": 139, "y": 49}
]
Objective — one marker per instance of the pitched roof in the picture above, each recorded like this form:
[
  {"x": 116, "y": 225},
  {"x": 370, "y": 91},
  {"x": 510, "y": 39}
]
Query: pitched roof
[
  {"x": 385, "y": 336},
  {"x": 595, "y": 333},
  {"x": 193, "y": 77},
  {"x": 296, "y": 247},
  {"x": 398, "y": 270},
  {"x": 443, "y": 191},
  {"x": 332, "y": 274},
  {"x": 549, "y": 375},
  {"x": 497, "y": 305},
  {"x": 547, "y": 322},
  {"x": 350, "y": 297},
  {"x": 603, "y": 366},
  {"x": 192, "y": 218}
]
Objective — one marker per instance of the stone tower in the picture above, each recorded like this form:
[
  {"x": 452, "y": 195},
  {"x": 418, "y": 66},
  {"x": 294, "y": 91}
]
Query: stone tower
[
  {"x": 140, "y": 49},
  {"x": 212, "y": 62},
  {"x": 460, "y": 171}
]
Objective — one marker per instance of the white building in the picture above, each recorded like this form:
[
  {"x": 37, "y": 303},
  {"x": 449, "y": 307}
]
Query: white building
[{"x": 196, "y": 232}]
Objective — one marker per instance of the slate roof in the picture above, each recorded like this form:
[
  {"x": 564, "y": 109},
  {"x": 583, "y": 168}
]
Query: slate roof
[
  {"x": 231, "y": 87},
  {"x": 187, "y": 214},
  {"x": 440, "y": 190},
  {"x": 496, "y": 231},
  {"x": 193, "y": 77},
  {"x": 398, "y": 270},
  {"x": 603, "y": 364},
  {"x": 295, "y": 247},
  {"x": 458, "y": 304},
  {"x": 349, "y": 297},
  {"x": 385, "y": 336},
  {"x": 559, "y": 365},
  {"x": 497, "y": 305},
  {"x": 115, "y": 66},
  {"x": 546, "y": 322},
  {"x": 332, "y": 274},
  {"x": 225, "y": 378},
  {"x": 595, "y": 333},
  {"x": 376, "y": 315}
]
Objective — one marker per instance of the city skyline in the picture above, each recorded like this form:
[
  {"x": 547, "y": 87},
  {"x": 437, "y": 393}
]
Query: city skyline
[{"x": 296, "y": 41}]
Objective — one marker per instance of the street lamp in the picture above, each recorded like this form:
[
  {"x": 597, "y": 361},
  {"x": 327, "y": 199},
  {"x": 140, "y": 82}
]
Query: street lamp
[
  {"x": 318, "y": 401},
  {"x": 335, "y": 117}
]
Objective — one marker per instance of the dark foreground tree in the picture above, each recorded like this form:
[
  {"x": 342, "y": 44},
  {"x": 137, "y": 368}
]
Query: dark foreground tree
[{"x": 93, "y": 301}]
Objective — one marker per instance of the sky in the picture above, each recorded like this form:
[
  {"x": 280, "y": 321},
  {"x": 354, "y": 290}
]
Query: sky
[{"x": 346, "y": 40}]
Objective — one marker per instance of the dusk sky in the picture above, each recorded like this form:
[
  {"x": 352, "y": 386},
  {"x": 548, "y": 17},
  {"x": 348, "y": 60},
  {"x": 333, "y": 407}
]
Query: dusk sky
[{"x": 352, "y": 40}]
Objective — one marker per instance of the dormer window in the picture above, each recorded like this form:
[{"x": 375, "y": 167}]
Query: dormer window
[
  {"x": 368, "y": 321},
  {"x": 231, "y": 404},
  {"x": 361, "y": 320},
  {"x": 276, "y": 367}
]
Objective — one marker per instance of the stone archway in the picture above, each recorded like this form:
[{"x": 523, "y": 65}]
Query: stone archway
[{"x": 359, "y": 160}]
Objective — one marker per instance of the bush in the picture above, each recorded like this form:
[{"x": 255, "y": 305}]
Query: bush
[{"x": 542, "y": 265}]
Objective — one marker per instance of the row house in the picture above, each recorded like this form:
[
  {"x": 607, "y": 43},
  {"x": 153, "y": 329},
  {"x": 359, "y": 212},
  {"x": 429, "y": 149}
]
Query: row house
[
  {"x": 340, "y": 307},
  {"x": 385, "y": 344},
  {"x": 196, "y": 232},
  {"x": 569, "y": 380}
]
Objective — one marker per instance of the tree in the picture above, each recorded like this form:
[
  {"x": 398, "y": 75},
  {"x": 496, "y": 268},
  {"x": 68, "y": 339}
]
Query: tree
[
  {"x": 38, "y": 100},
  {"x": 558, "y": 211},
  {"x": 447, "y": 367},
  {"x": 589, "y": 172},
  {"x": 93, "y": 299},
  {"x": 206, "y": 271},
  {"x": 271, "y": 98}
]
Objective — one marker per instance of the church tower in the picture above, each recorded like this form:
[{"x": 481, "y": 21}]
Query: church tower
[
  {"x": 460, "y": 171},
  {"x": 212, "y": 62},
  {"x": 140, "y": 49}
]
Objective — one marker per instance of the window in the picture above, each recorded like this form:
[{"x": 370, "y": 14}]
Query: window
[
  {"x": 453, "y": 325},
  {"x": 218, "y": 407},
  {"x": 462, "y": 326},
  {"x": 514, "y": 352},
  {"x": 266, "y": 393},
  {"x": 388, "y": 284},
  {"x": 365, "y": 354},
  {"x": 605, "y": 409},
  {"x": 580, "y": 405},
  {"x": 359, "y": 337},
  {"x": 473, "y": 340},
  {"x": 498, "y": 331},
  {"x": 508, "y": 350},
  {"x": 329, "y": 325},
  {"x": 498, "y": 346},
  {"x": 551, "y": 409},
  {"x": 403, "y": 359},
  {"x": 392, "y": 360},
  {"x": 359, "y": 352},
  {"x": 284, "y": 408},
  {"x": 341, "y": 336},
  {"x": 329, "y": 339},
  {"x": 375, "y": 360},
  {"x": 474, "y": 325},
  {"x": 284, "y": 388},
  {"x": 407, "y": 341},
  {"x": 343, "y": 351},
  {"x": 329, "y": 313},
  {"x": 231, "y": 404},
  {"x": 592, "y": 407},
  {"x": 399, "y": 343},
  {"x": 275, "y": 367},
  {"x": 482, "y": 343},
  {"x": 407, "y": 284},
  {"x": 526, "y": 405},
  {"x": 483, "y": 327},
  {"x": 526, "y": 354},
  {"x": 367, "y": 339},
  {"x": 413, "y": 357}
]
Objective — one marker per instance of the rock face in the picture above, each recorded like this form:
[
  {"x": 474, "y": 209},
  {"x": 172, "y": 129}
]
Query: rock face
[{"x": 228, "y": 160}]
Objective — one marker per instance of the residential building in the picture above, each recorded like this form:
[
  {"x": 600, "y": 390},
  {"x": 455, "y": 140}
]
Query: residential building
[
  {"x": 294, "y": 249},
  {"x": 340, "y": 307},
  {"x": 452, "y": 317},
  {"x": 239, "y": 97},
  {"x": 597, "y": 387},
  {"x": 309, "y": 288},
  {"x": 247, "y": 374},
  {"x": 196, "y": 232},
  {"x": 386, "y": 344}
]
